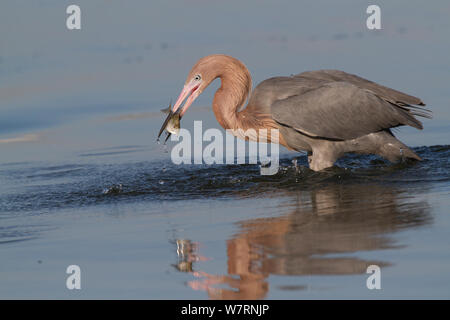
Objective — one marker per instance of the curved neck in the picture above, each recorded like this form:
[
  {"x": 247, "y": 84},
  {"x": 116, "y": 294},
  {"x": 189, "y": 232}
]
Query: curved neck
[
  {"x": 230, "y": 98},
  {"x": 232, "y": 95}
]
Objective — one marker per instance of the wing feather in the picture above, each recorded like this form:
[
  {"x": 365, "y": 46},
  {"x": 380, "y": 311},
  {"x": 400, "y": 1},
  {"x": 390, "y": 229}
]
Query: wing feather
[
  {"x": 340, "y": 111},
  {"x": 386, "y": 93}
]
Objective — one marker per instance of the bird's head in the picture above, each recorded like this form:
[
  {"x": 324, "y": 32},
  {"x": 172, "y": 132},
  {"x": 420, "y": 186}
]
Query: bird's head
[
  {"x": 205, "y": 71},
  {"x": 201, "y": 75}
]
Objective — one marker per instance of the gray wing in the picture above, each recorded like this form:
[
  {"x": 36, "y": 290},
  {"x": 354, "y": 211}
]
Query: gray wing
[
  {"x": 386, "y": 93},
  {"x": 341, "y": 111}
]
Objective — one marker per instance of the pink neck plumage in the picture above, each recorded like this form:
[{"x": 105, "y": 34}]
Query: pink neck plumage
[
  {"x": 230, "y": 98},
  {"x": 232, "y": 94}
]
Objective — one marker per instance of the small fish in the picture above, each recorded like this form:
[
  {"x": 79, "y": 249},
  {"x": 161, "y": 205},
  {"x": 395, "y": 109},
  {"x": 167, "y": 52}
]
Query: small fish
[
  {"x": 171, "y": 124},
  {"x": 168, "y": 109}
]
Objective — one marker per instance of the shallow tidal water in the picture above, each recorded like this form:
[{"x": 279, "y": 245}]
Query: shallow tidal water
[
  {"x": 83, "y": 181},
  {"x": 151, "y": 229}
]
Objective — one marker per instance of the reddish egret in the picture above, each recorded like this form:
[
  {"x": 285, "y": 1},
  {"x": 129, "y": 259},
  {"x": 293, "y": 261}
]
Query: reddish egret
[{"x": 326, "y": 113}]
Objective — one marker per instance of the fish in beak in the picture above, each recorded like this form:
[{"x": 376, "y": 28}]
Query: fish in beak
[
  {"x": 171, "y": 124},
  {"x": 190, "y": 92}
]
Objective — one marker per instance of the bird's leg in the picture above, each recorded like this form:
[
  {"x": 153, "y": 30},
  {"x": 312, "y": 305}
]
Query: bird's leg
[
  {"x": 321, "y": 159},
  {"x": 310, "y": 157},
  {"x": 390, "y": 148}
]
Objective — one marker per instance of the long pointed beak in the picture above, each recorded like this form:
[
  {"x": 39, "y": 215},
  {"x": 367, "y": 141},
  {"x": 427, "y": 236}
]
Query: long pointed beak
[{"x": 189, "y": 91}]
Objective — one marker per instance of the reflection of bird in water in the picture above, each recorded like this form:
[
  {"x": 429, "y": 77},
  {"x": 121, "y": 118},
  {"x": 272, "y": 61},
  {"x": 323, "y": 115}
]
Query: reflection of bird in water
[
  {"x": 187, "y": 253},
  {"x": 319, "y": 235},
  {"x": 327, "y": 113}
]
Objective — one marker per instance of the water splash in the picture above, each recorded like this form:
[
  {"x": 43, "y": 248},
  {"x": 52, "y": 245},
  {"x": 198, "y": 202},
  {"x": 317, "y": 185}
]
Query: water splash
[{"x": 71, "y": 185}]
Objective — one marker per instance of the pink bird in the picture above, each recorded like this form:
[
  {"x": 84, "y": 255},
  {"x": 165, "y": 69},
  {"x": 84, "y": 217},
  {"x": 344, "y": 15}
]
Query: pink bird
[{"x": 326, "y": 113}]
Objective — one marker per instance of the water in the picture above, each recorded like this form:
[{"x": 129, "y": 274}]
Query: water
[
  {"x": 151, "y": 229},
  {"x": 83, "y": 181}
]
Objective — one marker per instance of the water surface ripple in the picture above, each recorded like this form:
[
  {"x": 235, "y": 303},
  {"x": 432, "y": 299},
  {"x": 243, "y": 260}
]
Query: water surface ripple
[{"x": 36, "y": 189}]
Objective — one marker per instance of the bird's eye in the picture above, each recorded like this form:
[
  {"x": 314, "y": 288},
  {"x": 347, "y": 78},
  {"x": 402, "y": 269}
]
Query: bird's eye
[{"x": 197, "y": 78}]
